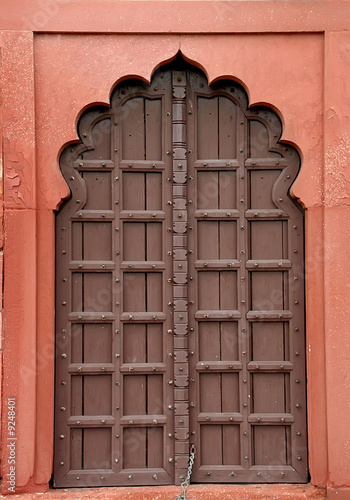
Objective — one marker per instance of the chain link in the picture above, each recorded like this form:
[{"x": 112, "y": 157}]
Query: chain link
[{"x": 186, "y": 483}]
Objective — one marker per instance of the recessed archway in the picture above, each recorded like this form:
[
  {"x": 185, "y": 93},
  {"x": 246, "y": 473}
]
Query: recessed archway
[{"x": 180, "y": 236}]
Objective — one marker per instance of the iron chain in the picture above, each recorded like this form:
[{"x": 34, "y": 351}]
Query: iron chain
[{"x": 186, "y": 482}]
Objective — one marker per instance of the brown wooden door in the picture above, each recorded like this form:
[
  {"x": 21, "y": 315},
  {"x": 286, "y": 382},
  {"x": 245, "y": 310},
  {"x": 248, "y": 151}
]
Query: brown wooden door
[{"x": 180, "y": 306}]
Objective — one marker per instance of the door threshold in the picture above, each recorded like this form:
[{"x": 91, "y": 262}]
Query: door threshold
[{"x": 194, "y": 492}]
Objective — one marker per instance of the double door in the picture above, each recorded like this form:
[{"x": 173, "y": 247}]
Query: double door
[{"x": 180, "y": 297}]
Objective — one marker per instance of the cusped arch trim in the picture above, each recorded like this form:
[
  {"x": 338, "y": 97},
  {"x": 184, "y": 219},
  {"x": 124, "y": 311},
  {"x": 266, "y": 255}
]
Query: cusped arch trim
[{"x": 266, "y": 113}]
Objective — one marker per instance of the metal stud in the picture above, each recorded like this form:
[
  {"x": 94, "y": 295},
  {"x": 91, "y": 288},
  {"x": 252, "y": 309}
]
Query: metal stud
[
  {"x": 61, "y": 462},
  {"x": 62, "y": 436},
  {"x": 63, "y": 355}
]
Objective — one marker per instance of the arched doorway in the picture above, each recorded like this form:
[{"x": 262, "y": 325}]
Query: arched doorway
[{"x": 180, "y": 292}]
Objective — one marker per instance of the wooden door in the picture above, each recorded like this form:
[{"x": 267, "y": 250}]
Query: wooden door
[{"x": 179, "y": 292}]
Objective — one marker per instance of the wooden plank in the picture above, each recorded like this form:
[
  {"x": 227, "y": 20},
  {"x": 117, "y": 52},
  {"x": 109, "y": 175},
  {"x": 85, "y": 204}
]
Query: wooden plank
[
  {"x": 153, "y": 191},
  {"x": 229, "y": 341},
  {"x": 155, "y": 343},
  {"x": 77, "y": 291},
  {"x": 228, "y": 240},
  {"x": 133, "y": 191},
  {"x": 209, "y": 341},
  {"x": 154, "y": 292},
  {"x": 76, "y": 343},
  {"x": 76, "y": 394},
  {"x": 101, "y": 137},
  {"x": 230, "y": 392},
  {"x": 77, "y": 241},
  {"x": 207, "y": 131},
  {"x": 228, "y": 290},
  {"x": 154, "y": 241},
  {"x": 134, "y": 343},
  {"x": 227, "y": 190},
  {"x": 134, "y": 292},
  {"x": 153, "y": 129},
  {"x": 134, "y": 448},
  {"x": 97, "y": 394},
  {"x": 261, "y": 185},
  {"x": 207, "y": 190},
  {"x": 267, "y": 290},
  {"x": 268, "y": 393},
  {"x": 97, "y": 449},
  {"x": 208, "y": 240},
  {"x": 133, "y": 130},
  {"x": 210, "y": 394},
  {"x": 266, "y": 240},
  {"x": 155, "y": 447},
  {"x": 155, "y": 395},
  {"x": 267, "y": 341},
  {"x": 208, "y": 290},
  {"x": 100, "y": 232},
  {"x": 270, "y": 445},
  {"x": 134, "y": 395},
  {"x": 134, "y": 232},
  {"x": 97, "y": 292},
  {"x": 231, "y": 449},
  {"x": 227, "y": 128},
  {"x": 99, "y": 190},
  {"x": 211, "y": 445},
  {"x": 97, "y": 343},
  {"x": 76, "y": 442}
]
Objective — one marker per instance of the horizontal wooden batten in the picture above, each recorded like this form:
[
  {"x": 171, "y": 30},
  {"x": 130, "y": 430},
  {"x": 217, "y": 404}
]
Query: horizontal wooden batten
[
  {"x": 141, "y": 165},
  {"x": 141, "y": 215},
  {"x": 100, "y": 165},
  {"x": 143, "y": 420},
  {"x": 91, "y": 421},
  {"x": 142, "y": 266},
  {"x": 268, "y": 213},
  {"x": 93, "y": 215},
  {"x": 270, "y": 418},
  {"x": 143, "y": 317},
  {"x": 216, "y": 214},
  {"x": 219, "y": 417},
  {"x": 91, "y": 265},
  {"x": 91, "y": 317},
  {"x": 214, "y": 315},
  {"x": 270, "y": 366},
  {"x": 229, "y": 164},
  {"x": 269, "y": 315},
  {"x": 218, "y": 366},
  {"x": 143, "y": 368},
  {"x": 220, "y": 265},
  {"x": 91, "y": 368},
  {"x": 268, "y": 265},
  {"x": 266, "y": 163}
]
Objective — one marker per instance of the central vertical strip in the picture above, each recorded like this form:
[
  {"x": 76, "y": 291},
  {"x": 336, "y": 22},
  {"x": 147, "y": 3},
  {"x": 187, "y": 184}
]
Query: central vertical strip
[{"x": 180, "y": 277}]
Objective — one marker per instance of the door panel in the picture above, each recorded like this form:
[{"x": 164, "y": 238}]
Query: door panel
[{"x": 180, "y": 305}]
